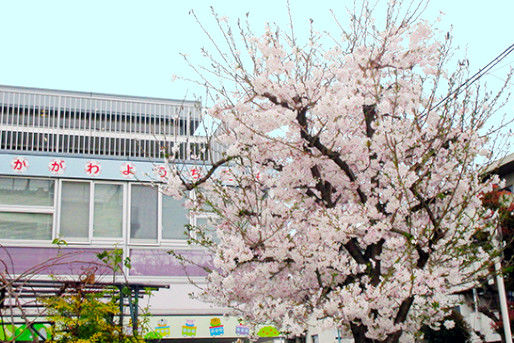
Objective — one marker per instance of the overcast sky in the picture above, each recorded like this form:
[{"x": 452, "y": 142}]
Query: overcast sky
[{"x": 132, "y": 47}]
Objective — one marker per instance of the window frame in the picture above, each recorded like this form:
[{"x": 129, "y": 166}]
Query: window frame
[
  {"x": 160, "y": 241},
  {"x": 71, "y": 240},
  {"x": 91, "y": 240},
  {"x": 55, "y": 210},
  {"x": 119, "y": 240},
  {"x": 189, "y": 214},
  {"x": 143, "y": 241},
  {"x": 52, "y": 210},
  {"x": 195, "y": 215},
  {"x": 208, "y": 217}
]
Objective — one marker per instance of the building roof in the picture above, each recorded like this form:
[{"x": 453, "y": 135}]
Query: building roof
[
  {"x": 105, "y": 96},
  {"x": 503, "y": 166}
]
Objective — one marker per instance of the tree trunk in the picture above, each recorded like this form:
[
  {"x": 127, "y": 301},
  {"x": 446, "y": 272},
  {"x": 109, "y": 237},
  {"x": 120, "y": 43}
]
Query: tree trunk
[{"x": 359, "y": 334}]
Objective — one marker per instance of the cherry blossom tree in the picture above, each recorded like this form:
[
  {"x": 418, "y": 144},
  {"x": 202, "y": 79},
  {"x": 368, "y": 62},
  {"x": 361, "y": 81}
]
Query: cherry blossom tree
[{"x": 348, "y": 192}]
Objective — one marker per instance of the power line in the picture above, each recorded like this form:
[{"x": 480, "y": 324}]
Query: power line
[
  {"x": 504, "y": 65},
  {"x": 477, "y": 75}
]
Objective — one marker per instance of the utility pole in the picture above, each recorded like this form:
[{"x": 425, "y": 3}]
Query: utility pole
[
  {"x": 503, "y": 302},
  {"x": 504, "y": 310}
]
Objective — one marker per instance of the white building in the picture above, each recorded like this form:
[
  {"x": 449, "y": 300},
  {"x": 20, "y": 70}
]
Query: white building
[{"x": 79, "y": 167}]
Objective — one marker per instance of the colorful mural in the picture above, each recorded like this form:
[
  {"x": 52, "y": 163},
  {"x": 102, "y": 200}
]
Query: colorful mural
[
  {"x": 268, "y": 331},
  {"x": 242, "y": 330},
  {"x": 203, "y": 327},
  {"x": 189, "y": 328},
  {"x": 20, "y": 333},
  {"x": 215, "y": 328},
  {"x": 162, "y": 328}
]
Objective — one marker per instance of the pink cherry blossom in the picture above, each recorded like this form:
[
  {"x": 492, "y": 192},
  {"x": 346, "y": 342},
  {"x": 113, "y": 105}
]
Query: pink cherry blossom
[{"x": 347, "y": 197}]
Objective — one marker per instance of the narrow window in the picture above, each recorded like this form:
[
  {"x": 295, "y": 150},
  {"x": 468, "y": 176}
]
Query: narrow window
[
  {"x": 74, "y": 223},
  {"x": 108, "y": 211},
  {"x": 174, "y": 218},
  {"x": 143, "y": 213}
]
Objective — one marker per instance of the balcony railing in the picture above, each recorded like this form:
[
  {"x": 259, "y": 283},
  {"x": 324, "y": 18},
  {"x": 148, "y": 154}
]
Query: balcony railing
[{"x": 74, "y": 123}]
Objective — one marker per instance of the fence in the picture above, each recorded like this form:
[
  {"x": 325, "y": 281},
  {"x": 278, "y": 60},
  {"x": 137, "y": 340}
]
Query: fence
[{"x": 74, "y": 123}]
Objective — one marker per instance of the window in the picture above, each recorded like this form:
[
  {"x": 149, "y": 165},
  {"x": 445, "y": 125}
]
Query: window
[
  {"x": 205, "y": 220},
  {"x": 207, "y": 225},
  {"x": 143, "y": 213},
  {"x": 25, "y": 225},
  {"x": 108, "y": 210},
  {"x": 26, "y": 208},
  {"x": 91, "y": 210},
  {"x": 23, "y": 191},
  {"x": 151, "y": 211},
  {"x": 174, "y": 218},
  {"x": 74, "y": 223}
]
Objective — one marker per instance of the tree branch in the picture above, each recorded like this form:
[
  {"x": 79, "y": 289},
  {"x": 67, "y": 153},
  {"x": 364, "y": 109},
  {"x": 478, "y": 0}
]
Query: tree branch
[
  {"x": 315, "y": 142},
  {"x": 214, "y": 166}
]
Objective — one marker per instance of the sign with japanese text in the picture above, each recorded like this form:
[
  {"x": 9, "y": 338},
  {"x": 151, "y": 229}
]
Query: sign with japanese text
[
  {"x": 56, "y": 166},
  {"x": 19, "y": 164},
  {"x": 128, "y": 170},
  {"x": 86, "y": 168},
  {"x": 93, "y": 168}
]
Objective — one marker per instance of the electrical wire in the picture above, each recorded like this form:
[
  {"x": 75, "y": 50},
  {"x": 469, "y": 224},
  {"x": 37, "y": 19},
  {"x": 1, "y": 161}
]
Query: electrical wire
[{"x": 484, "y": 70}]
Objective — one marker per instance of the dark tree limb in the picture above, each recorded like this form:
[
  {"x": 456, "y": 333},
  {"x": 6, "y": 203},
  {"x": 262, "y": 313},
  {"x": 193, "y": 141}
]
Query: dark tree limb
[{"x": 191, "y": 185}]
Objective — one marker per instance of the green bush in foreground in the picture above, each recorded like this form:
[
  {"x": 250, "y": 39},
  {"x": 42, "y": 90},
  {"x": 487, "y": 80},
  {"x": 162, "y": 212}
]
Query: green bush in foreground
[{"x": 84, "y": 318}]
